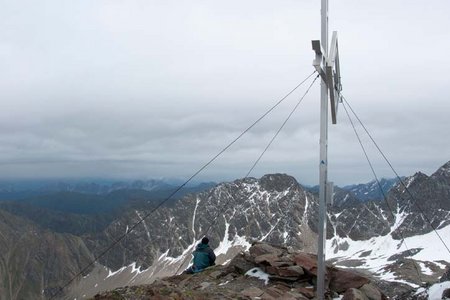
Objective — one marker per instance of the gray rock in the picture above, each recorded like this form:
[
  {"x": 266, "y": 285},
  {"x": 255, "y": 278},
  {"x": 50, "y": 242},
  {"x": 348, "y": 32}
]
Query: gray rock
[
  {"x": 240, "y": 264},
  {"x": 268, "y": 258},
  {"x": 264, "y": 249},
  {"x": 354, "y": 294},
  {"x": 446, "y": 294},
  {"x": 371, "y": 291},
  {"x": 342, "y": 280},
  {"x": 445, "y": 276}
]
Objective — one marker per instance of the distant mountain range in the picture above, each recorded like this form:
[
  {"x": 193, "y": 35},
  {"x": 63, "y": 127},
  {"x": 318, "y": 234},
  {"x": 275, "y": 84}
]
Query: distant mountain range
[
  {"x": 372, "y": 190},
  {"x": 78, "y": 226},
  {"x": 350, "y": 195},
  {"x": 20, "y": 189}
]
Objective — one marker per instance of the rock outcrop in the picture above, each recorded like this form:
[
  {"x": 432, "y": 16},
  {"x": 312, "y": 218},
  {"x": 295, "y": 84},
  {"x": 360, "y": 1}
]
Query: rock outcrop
[{"x": 264, "y": 272}]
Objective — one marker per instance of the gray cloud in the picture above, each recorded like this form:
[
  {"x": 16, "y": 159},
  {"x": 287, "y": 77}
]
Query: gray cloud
[{"x": 156, "y": 88}]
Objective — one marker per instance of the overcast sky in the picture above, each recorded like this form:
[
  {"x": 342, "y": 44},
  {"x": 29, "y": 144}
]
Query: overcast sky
[{"x": 151, "y": 89}]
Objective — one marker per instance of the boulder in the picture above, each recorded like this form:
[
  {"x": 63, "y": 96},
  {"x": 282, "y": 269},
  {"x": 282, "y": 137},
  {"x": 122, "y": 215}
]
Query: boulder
[
  {"x": 269, "y": 259},
  {"x": 260, "y": 249},
  {"x": 291, "y": 271},
  {"x": 240, "y": 264},
  {"x": 341, "y": 280},
  {"x": 296, "y": 269},
  {"x": 446, "y": 294},
  {"x": 354, "y": 294},
  {"x": 282, "y": 263},
  {"x": 307, "y": 261},
  {"x": 371, "y": 291}
]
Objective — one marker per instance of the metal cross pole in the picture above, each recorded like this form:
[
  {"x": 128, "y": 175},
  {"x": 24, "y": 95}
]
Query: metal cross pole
[
  {"x": 323, "y": 170},
  {"x": 327, "y": 65}
]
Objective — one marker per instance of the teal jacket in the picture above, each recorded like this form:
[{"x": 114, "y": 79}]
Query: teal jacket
[{"x": 203, "y": 257}]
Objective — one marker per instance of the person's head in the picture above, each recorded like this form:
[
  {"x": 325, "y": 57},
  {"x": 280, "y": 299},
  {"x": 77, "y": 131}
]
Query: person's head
[{"x": 205, "y": 240}]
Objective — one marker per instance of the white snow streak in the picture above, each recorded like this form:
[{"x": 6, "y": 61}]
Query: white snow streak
[
  {"x": 164, "y": 255},
  {"x": 193, "y": 216},
  {"x": 305, "y": 215},
  {"x": 116, "y": 272},
  {"x": 145, "y": 225},
  {"x": 270, "y": 231},
  {"x": 225, "y": 244}
]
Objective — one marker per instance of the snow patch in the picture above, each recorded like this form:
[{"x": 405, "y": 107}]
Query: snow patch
[
  {"x": 419, "y": 291},
  {"x": 258, "y": 273},
  {"x": 424, "y": 269},
  {"x": 135, "y": 269},
  {"x": 436, "y": 290},
  {"x": 399, "y": 217},
  {"x": 440, "y": 265},
  {"x": 226, "y": 244}
]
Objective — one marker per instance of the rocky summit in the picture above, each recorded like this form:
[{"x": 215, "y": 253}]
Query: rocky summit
[{"x": 264, "y": 272}]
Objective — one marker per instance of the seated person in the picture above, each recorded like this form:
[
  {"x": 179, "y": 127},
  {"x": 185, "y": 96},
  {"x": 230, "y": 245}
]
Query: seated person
[{"x": 203, "y": 257}]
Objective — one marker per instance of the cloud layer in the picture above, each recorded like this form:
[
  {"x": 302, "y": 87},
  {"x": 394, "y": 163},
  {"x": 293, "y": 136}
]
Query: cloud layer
[{"x": 156, "y": 88}]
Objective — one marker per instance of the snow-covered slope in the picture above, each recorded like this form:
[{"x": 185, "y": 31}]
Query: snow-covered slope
[
  {"x": 379, "y": 254},
  {"x": 404, "y": 239}
]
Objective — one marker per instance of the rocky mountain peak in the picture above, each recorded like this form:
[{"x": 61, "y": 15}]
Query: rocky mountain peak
[
  {"x": 277, "y": 182},
  {"x": 443, "y": 173},
  {"x": 417, "y": 177}
]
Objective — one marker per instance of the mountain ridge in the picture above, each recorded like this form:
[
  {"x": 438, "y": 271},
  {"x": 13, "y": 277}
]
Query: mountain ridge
[{"x": 274, "y": 209}]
